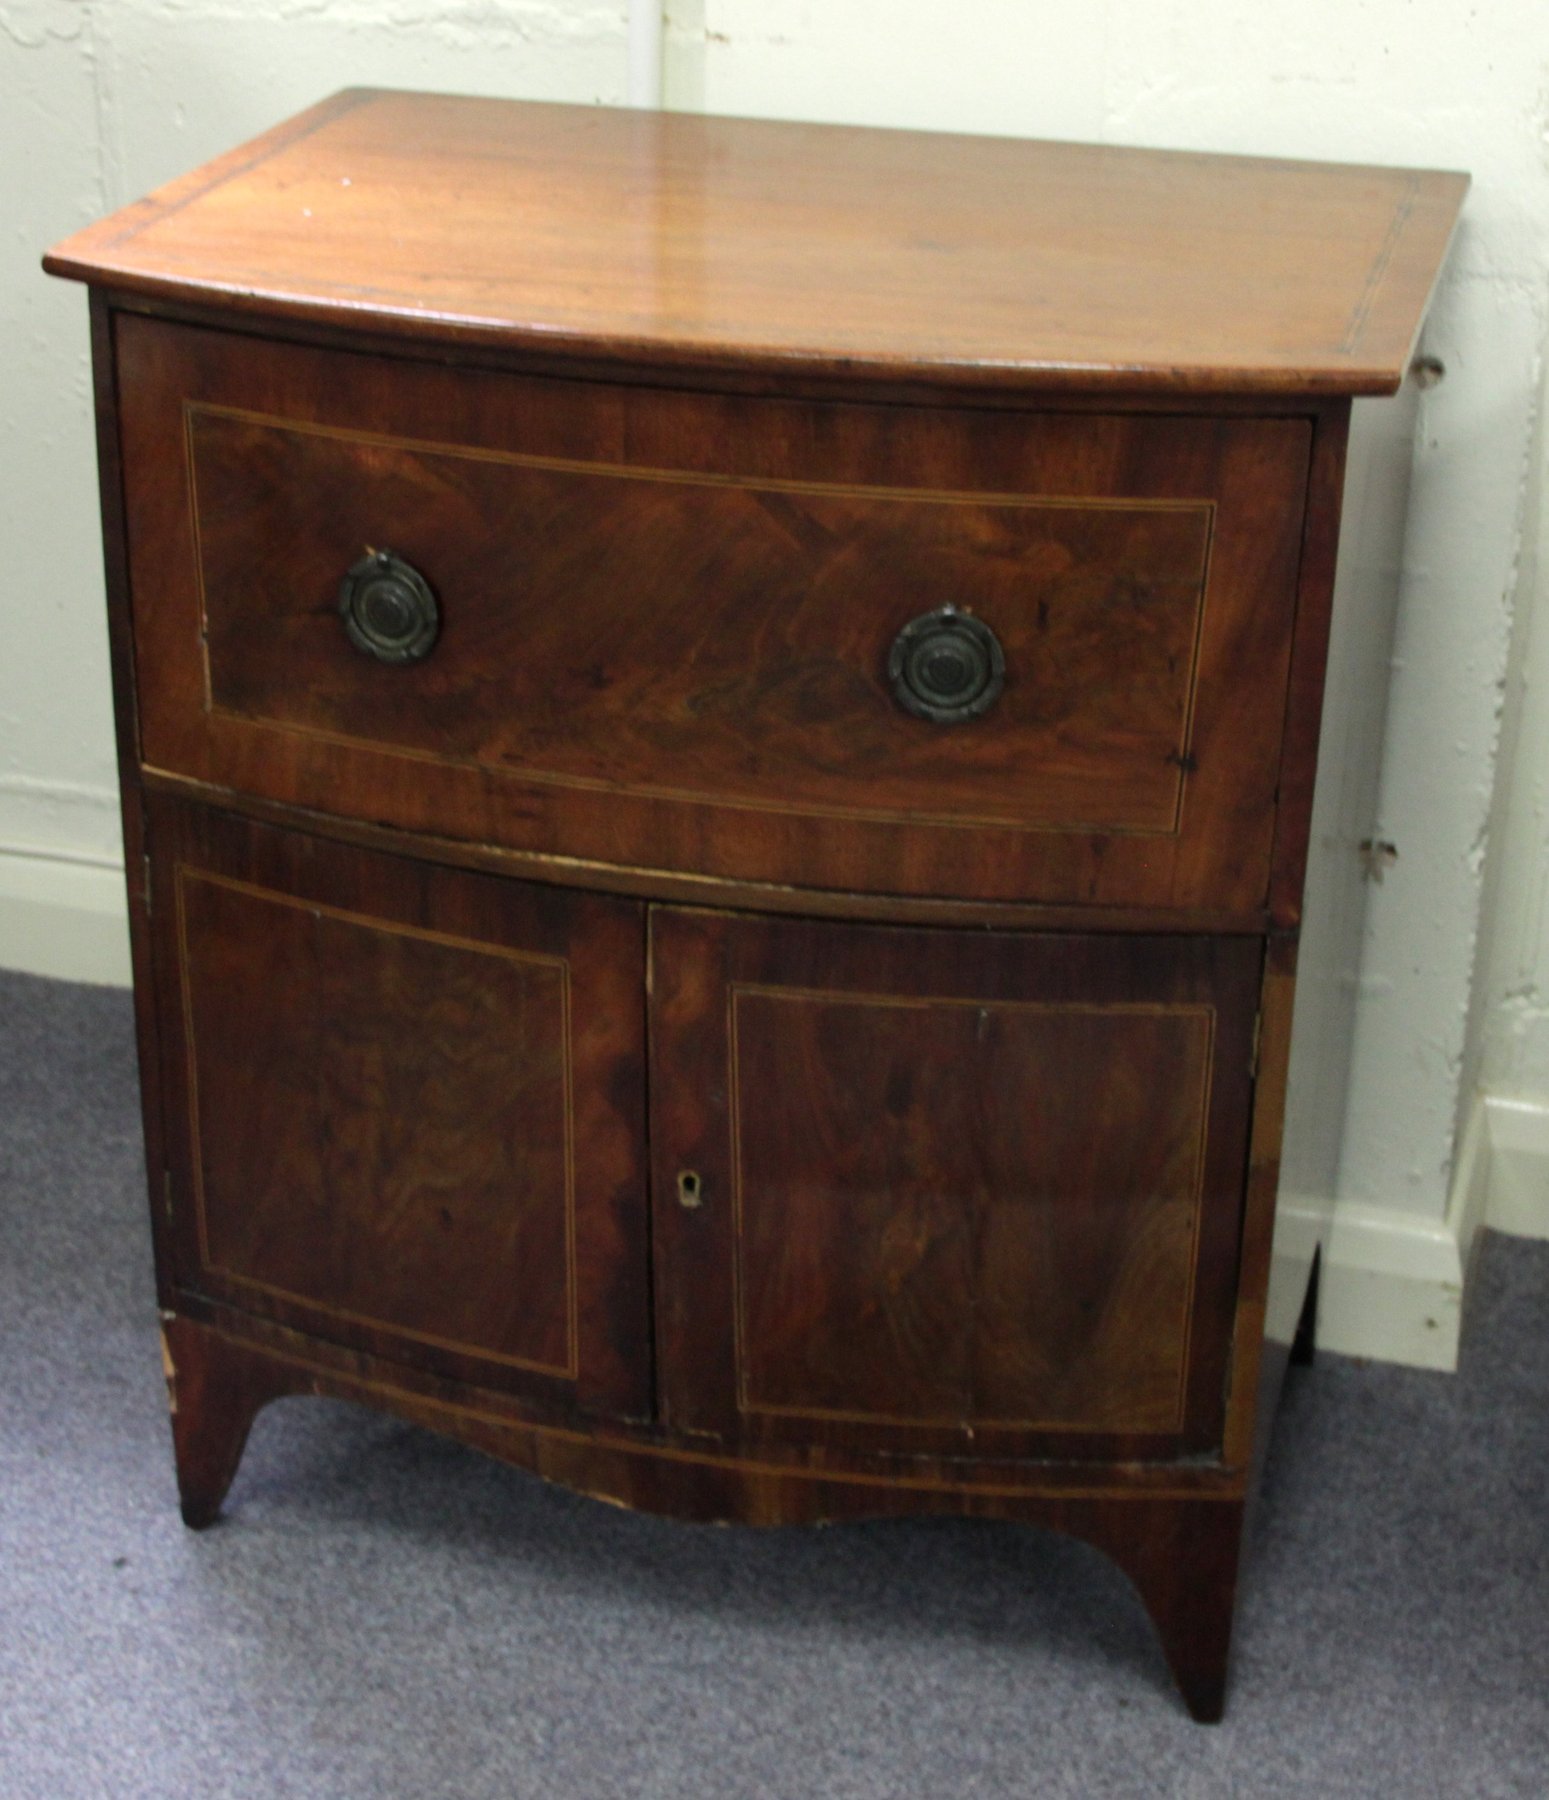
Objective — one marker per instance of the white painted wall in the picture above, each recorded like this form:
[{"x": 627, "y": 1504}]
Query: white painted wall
[
  {"x": 58, "y": 811},
  {"x": 1510, "y": 1045},
  {"x": 100, "y": 99},
  {"x": 1506, "y": 1085}
]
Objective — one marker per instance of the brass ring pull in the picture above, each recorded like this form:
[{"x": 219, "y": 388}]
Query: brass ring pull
[
  {"x": 946, "y": 666},
  {"x": 388, "y": 609}
]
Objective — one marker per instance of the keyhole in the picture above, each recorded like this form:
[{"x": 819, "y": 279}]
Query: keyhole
[{"x": 690, "y": 1191}]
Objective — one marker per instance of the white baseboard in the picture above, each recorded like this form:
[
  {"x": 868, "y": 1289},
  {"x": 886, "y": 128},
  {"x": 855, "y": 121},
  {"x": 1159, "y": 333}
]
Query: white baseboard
[
  {"x": 1517, "y": 1132},
  {"x": 1392, "y": 1288},
  {"x": 1392, "y": 1282},
  {"x": 63, "y": 917}
]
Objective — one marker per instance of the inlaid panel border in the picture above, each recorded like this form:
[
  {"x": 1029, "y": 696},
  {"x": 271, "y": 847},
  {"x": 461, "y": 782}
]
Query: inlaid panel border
[
  {"x": 1181, "y": 759},
  {"x": 1204, "y": 1016},
  {"x": 571, "y": 1368}
]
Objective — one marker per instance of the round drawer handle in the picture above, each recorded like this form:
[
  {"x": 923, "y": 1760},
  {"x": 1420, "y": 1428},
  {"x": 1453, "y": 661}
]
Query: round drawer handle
[
  {"x": 946, "y": 666},
  {"x": 388, "y": 609}
]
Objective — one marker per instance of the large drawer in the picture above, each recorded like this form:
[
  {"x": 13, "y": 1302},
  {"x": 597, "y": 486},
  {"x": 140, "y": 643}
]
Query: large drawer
[{"x": 666, "y": 620}]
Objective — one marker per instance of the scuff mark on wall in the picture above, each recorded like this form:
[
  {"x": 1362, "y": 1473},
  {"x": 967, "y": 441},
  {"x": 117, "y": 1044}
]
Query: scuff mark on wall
[
  {"x": 1379, "y": 856},
  {"x": 34, "y": 24}
]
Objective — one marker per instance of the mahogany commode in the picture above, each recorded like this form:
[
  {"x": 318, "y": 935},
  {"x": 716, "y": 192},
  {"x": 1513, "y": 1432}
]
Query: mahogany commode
[{"x": 717, "y": 724}]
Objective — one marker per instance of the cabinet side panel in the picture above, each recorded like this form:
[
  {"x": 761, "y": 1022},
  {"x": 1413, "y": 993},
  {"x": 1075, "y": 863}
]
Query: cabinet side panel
[{"x": 110, "y": 477}]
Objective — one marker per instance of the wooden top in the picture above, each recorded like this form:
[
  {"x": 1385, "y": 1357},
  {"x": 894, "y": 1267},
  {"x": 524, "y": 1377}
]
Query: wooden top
[{"x": 682, "y": 241}]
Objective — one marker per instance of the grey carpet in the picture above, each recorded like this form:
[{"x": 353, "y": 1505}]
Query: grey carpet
[{"x": 384, "y": 1614}]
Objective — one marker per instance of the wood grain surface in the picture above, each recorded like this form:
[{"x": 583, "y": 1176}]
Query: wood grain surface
[
  {"x": 961, "y": 1190},
  {"x": 667, "y": 619},
  {"x": 705, "y": 639},
  {"x": 704, "y": 243},
  {"x": 126, "y": 723},
  {"x": 408, "y": 1103}
]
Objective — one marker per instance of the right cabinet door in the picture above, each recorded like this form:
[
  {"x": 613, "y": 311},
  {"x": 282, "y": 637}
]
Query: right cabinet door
[{"x": 947, "y": 1192}]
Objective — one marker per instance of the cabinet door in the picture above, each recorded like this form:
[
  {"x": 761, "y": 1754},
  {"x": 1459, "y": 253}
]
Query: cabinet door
[
  {"x": 407, "y": 1107},
  {"x": 946, "y": 1191}
]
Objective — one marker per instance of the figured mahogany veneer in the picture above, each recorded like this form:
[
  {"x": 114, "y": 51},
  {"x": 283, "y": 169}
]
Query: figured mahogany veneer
[
  {"x": 745, "y": 246},
  {"x": 628, "y": 1038},
  {"x": 415, "y": 1101},
  {"x": 950, "y": 1201},
  {"x": 666, "y": 621}
]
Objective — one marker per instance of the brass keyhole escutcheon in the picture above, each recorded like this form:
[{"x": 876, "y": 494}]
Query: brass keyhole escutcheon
[{"x": 691, "y": 1192}]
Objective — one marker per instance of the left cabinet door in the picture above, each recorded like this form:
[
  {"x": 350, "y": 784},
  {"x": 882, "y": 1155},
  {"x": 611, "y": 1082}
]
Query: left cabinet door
[{"x": 406, "y": 1106}]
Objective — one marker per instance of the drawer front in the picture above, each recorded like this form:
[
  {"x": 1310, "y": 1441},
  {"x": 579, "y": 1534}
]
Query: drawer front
[
  {"x": 405, "y": 1107},
  {"x": 666, "y": 623},
  {"x": 949, "y": 1192}
]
